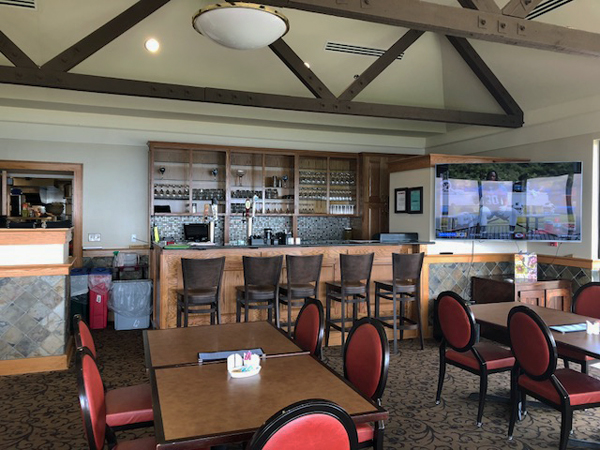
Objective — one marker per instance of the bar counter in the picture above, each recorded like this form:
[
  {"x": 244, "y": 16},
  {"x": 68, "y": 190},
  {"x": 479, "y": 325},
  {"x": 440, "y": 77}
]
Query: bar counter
[{"x": 166, "y": 273}]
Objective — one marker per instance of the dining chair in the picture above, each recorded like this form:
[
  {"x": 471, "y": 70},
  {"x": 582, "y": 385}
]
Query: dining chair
[
  {"x": 126, "y": 407},
  {"x": 586, "y": 302},
  {"x": 457, "y": 324},
  {"x": 261, "y": 286},
  {"x": 93, "y": 408},
  {"x": 303, "y": 274},
  {"x": 535, "y": 373},
  {"x": 353, "y": 288},
  {"x": 201, "y": 289},
  {"x": 366, "y": 364},
  {"x": 313, "y": 424},
  {"x": 310, "y": 326},
  {"x": 405, "y": 287}
]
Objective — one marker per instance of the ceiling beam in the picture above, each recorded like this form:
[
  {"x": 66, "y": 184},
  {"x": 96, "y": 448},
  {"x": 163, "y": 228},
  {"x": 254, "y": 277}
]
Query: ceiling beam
[
  {"x": 106, "y": 85},
  {"x": 380, "y": 64},
  {"x": 482, "y": 5},
  {"x": 455, "y": 21},
  {"x": 14, "y": 54},
  {"x": 520, "y": 8},
  {"x": 298, "y": 68},
  {"x": 486, "y": 76},
  {"x": 104, "y": 35}
]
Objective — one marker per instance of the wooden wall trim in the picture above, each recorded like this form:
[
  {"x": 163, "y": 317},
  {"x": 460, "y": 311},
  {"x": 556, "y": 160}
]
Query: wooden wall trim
[
  {"x": 37, "y": 270},
  {"x": 95, "y": 253},
  {"x": 592, "y": 264},
  {"x": 37, "y": 236},
  {"x": 423, "y": 162}
]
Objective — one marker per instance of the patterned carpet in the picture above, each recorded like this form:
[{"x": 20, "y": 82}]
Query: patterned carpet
[{"x": 41, "y": 411}]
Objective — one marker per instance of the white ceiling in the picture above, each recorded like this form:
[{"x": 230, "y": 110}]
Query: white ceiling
[{"x": 431, "y": 74}]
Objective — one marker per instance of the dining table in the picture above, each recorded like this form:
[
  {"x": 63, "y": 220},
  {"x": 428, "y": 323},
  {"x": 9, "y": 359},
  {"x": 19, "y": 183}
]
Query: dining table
[
  {"x": 198, "y": 406},
  {"x": 181, "y": 346}
]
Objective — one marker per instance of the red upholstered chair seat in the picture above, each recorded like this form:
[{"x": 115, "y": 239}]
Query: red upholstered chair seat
[
  {"x": 148, "y": 443},
  {"x": 129, "y": 405},
  {"x": 365, "y": 432},
  {"x": 495, "y": 356},
  {"x": 582, "y": 389}
]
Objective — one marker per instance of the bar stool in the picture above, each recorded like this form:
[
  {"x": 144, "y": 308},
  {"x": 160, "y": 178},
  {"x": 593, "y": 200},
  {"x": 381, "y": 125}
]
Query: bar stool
[
  {"x": 261, "y": 286},
  {"x": 201, "y": 289},
  {"x": 302, "y": 272},
  {"x": 404, "y": 288},
  {"x": 351, "y": 289}
]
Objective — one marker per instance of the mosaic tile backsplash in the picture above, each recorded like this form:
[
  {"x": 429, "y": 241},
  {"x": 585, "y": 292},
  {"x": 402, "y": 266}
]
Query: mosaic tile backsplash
[
  {"x": 172, "y": 227},
  {"x": 322, "y": 229},
  {"x": 32, "y": 316},
  {"x": 237, "y": 226}
]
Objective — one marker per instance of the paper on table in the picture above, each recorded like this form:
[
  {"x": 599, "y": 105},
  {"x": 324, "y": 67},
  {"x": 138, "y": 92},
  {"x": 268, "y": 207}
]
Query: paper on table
[
  {"x": 215, "y": 356},
  {"x": 569, "y": 328}
]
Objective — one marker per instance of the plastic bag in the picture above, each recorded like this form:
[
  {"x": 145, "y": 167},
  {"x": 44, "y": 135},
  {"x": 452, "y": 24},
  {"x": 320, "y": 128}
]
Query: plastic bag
[
  {"x": 132, "y": 298},
  {"x": 100, "y": 280}
]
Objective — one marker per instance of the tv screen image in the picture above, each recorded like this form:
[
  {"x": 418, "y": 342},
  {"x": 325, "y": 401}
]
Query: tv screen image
[{"x": 509, "y": 201}]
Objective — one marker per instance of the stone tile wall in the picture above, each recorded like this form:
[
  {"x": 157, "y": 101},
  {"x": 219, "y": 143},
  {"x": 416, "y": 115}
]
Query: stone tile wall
[{"x": 33, "y": 312}]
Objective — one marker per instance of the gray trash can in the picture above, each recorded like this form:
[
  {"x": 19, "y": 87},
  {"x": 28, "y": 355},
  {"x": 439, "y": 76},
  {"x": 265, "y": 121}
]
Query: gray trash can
[{"x": 131, "y": 301}]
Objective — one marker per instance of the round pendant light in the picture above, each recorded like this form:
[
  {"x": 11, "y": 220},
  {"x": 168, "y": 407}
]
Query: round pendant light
[{"x": 242, "y": 26}]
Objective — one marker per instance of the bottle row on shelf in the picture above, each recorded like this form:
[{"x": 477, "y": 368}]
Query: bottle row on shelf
[
  {"x": 335, "y": 178},
  {"x": 267, "y": 208}
]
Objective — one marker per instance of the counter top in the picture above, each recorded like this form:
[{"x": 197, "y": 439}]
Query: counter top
[{"x": 185, "y": 246}]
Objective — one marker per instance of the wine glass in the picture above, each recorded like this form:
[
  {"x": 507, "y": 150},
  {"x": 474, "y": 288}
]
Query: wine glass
[{"x": 240, "y": 173}]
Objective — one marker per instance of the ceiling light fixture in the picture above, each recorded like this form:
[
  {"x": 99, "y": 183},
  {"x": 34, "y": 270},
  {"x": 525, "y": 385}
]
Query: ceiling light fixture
[
  {"x": 241, "y": 26},
  {"x": 152, "y": 45}
]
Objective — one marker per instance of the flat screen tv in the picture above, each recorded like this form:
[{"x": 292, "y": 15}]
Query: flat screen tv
[{"x": 535, "y": 201}]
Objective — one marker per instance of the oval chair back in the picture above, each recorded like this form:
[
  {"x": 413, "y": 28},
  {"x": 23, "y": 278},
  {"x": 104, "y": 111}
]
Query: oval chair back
[
  {"x": 586, "y": 301},
  {"x": 532, "y": 343},
  {"x": 91, "y": 398},
  {"x": 310, "y": 327},
  {"x": 83, "y": 336},
  {"x": 307, "y": 425},
  {"x": 457, "y": 321},
  {"x": 367, "y": 357}
]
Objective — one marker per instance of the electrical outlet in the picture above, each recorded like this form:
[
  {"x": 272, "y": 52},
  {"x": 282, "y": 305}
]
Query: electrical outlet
[
  {"x": 93, "y": 237},
  {"x": 133, "y": 238}
]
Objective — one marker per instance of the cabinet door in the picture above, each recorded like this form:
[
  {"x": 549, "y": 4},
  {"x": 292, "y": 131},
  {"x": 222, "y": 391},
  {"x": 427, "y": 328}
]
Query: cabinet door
[
  {"x": 536, "y": 297},
  {"x": 558, "y": 299},
  {"x": 374, "y": 220}
]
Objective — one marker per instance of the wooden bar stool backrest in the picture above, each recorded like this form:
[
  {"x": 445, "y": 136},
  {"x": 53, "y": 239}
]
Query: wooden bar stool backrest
[
  {"x": 202, "y": 273},
  {"x": 356, "y": 268},
  {"x": 303, "y": 269},
  {"x": 310, "y": 327},
  {"x": 83, "y": 336},
  {"x": 313, "y": 424},
  {"x": 407, "y": 266},
  {"x": 262, "y": 270}
]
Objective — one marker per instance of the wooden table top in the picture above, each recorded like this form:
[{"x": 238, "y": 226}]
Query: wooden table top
[
  {"x": 496, "y": 315},
  {"x": 178, "y": 346},
  {"x": 203, "y": 405}
]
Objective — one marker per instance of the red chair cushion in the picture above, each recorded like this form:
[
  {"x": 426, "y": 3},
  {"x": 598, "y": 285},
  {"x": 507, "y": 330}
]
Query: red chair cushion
[
  {"x": 94, "y": 391},
  {"x": 582, "y": 388},
  {"x": 565, "y": 352},
  {"x": 129, "y": 405},
  {"x": 364, "y": 359},
  {"x": 588, "y": 302},
  {"x": 86, "y": 337},
  {"x": 139, "y": 444},
  {"x": 454, "y": 322},
  {"x": 495, "y": 356},
  {"x": 365, "y": 431},
  {"x": 529, "y": 344},
  {"x": 310, "y": 432},
  {"x": 306, "y": 333}
]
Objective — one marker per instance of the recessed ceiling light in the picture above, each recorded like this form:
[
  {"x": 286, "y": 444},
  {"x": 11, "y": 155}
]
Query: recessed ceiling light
[{"x": 152, "y": 45}]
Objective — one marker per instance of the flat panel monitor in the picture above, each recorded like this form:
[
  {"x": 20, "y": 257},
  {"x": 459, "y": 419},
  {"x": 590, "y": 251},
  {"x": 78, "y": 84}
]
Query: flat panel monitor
[
  {"x": 196, "y": 232},
  {"x": 538, "y": 201}
]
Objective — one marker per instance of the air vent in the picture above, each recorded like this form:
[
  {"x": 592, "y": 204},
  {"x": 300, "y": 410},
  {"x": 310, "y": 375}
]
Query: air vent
[
  {"x": 545, "y": 7},
  {"x": 356, "y": 50},
  {"x": 29, "y": 4}
]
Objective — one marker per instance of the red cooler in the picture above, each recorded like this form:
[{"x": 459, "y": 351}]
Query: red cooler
[{"x": 100, "y": 280}]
